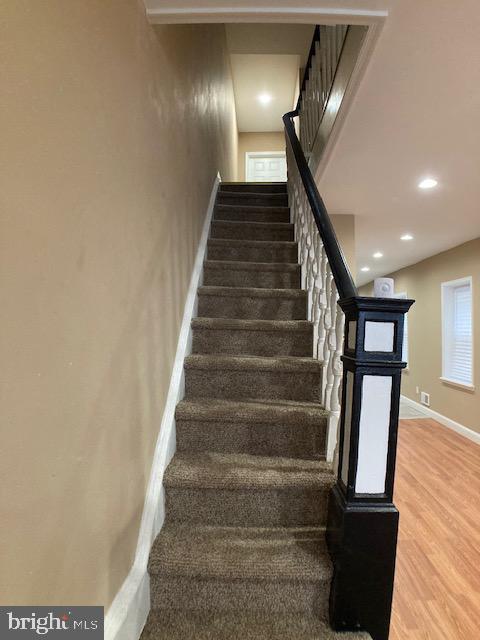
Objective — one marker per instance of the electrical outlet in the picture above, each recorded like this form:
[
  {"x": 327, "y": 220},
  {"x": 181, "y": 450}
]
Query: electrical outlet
[
  {"x": 417, "y": 390},
  {"x": 425, "y": 398}
]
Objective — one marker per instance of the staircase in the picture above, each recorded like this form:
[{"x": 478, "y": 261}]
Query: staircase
[
  {"x": 289, "y": 367},
  {"x": 242, "y": 554}
]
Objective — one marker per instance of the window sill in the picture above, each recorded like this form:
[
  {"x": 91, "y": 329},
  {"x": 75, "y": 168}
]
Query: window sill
[{"x": 458, "y": 385}]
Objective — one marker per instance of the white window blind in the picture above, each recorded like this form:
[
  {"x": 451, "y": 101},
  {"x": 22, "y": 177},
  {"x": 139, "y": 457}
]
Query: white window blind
[
  {"x": 457, "y": 331},
  {"x": 461, "y": 344}
]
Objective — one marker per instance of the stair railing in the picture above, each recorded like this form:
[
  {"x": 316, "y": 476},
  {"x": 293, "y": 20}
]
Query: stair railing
[
  {"x": 317, "y": 81},
  {"x": 325, "y": 274},
  {"x": 359, "y": 340},
  {"x": 332, "y": 59}
]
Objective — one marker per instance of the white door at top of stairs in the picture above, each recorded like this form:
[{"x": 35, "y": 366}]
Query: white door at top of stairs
[{"x": 268, "y": 166}]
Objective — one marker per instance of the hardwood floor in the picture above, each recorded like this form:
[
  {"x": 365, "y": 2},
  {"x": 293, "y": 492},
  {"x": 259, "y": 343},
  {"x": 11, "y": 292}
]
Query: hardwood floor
[{"x": 437, "y": 583}]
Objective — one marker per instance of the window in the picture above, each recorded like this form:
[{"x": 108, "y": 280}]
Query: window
[
  {"x": 457, "y": 343},
  {"x": 405, "y": 330}
]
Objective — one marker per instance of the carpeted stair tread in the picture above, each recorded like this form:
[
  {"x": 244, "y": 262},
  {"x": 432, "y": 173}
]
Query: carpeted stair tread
[
  {"x": 253, "y": 197},
  {"x": 251, "y": 292},
  {"x": 251, "y": 274},
  {"x": 240, "y": 224},
  {"x": 252, "y": 213},
  {"x": 245, "y": 490},
  {"x": 253, "y": 250},
  {"x": 190, "y": 625},
  {"x": 259, "y": 553},
  {"x": 247, "y": 194},
  {"x": 256, "y": 187},
  {"x": 252, "y": 303},
  {"x": 274, "y": 411},
  {"x": 239, "y": 324},
  {"x": 249, "y": 376},
  {"x": 252, "y": 230},
  {"x": 252, "y": 337},
  {"x": 281, "y": 428},
  {"x": 222, "y": 265},
  {"x": 243, "y": 471},
  {"x": 252, "y": 363},
  {"x": 251, "y": 208}
]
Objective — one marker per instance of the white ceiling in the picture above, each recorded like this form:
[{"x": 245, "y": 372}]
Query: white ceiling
[
  {"x": 293, "y": 39},
  {"x": 416, "y": 114},
  {"x": 256, "y": 74},
  {"x": 266, "y": 59}
]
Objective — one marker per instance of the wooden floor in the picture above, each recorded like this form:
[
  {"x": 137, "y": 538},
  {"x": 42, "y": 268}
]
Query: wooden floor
[{"x": 437, "y": 584}]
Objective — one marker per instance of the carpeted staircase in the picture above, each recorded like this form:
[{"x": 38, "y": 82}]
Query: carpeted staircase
[{"x": 242, "y": 554}]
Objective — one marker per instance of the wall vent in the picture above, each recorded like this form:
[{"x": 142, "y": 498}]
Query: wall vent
[{"x": 425, "y": 398}]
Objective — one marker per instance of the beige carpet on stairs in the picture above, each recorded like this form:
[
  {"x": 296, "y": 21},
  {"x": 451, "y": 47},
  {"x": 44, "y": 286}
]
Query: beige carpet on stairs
[{"x": 242, "y": 554}]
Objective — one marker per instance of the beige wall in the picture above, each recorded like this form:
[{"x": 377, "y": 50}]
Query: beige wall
[
  {"x": 422, "y": 282},
  {"x": 344, "y": 226},
  {"x": 265, "y": 141},
  {"x": 112, "y": 134}
]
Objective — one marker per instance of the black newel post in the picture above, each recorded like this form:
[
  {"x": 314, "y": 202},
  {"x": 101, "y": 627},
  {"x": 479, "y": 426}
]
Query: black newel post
[{"x": 362, "y": 519}]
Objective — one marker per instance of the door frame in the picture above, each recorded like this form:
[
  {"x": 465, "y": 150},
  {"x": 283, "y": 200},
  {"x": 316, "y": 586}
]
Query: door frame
[{"x": 253, "y": 154}]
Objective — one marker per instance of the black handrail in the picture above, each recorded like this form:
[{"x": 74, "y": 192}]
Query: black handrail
[{"x": 344, "y": 282}]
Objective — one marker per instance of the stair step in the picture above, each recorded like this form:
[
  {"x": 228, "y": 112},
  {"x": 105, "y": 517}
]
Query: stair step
[
  {"x": 241, "y": 213},
  {"x": 253, "y": 303},
  {"x": 242, "y": 553},
  {"x": 235, "y": 377},
  {"x": 269, "y": 275},
  {"x": 254, "y": 187},
  {"x": 252, "y": 337},
  {"x": 253, "y": 198},
  {"x": 244, "y": 490},
  {"x": 252, "y": 250},
  {"x": 257, "y": 553},
  {"x": 252, "y": 230},
  {"x": 288, "y": 429},
  {"x": 249, "y": 625},
  {"x": 240, "y": 568}
]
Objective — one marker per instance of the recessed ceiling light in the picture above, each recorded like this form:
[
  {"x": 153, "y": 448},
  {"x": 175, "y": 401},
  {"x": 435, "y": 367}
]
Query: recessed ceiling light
[
  {"x": 378, "y": 254},
  {"x": 264, "y": 98},
  {"x": 406, "y": 236},
  {"x": 427, "y": 183},
  {"x": 365, "y": 269}
]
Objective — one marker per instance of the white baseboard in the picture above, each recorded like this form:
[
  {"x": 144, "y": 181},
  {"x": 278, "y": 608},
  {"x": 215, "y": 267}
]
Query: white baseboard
[
  {"x": 447, "y": 422},
  {"x": 129, "y": 610}
]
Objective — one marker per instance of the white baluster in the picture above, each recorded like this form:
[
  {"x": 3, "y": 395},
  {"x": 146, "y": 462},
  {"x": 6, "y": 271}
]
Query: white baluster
[
  {"x": 323, "y": 311},
  {"x": 327, "y": 323},
  {"x": 322, "y": 303},
  {"x": 317, "y": 293},
  {"x": 335, "y": 397},
  {"x": 330, "y": 344},
  {"x": 337, "y": 355}
]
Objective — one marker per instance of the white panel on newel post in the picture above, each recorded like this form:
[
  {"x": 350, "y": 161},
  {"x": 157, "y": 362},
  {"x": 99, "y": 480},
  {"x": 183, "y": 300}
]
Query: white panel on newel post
[
  {"x": 373, "y": 434},
  {"x": 379, "y": 336}
]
